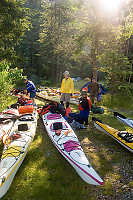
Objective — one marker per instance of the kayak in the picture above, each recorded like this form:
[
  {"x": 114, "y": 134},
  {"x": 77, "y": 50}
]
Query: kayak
[
  {"x": 67, "y": 143},
  {"x": 5, "y": 123},
  {"x": 17, "y": 141},
  {"x": 123, "y": 137},
  {"x": 124, "y": 119}
]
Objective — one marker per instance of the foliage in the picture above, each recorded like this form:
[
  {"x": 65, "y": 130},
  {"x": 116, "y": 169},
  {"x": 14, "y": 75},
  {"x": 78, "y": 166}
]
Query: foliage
[
  {"x": 8, "y": 79},
  {"x": 15, "y": 75},
  {"x": 46, "y": 38},
  {"x": 5, "y": 82},
  {"x": 106, "y": 42},
  {"x": 68, "y": 35},
  {"x": 45, "y": 83},
  {"x": 118, "y": 69},
  {"x": 29, "y": 47},
  {"x": 57, "y": 37},
  {"x": 13, "y": 23}
]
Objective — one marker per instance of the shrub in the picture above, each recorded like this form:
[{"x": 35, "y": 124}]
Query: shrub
[{"x": 8, "y": 80}]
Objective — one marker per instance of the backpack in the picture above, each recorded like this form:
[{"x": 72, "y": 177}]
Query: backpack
[{"x": 97, "y": 110}]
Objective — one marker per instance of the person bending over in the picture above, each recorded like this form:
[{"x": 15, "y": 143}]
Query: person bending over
[{"x": 31, "y": 89}]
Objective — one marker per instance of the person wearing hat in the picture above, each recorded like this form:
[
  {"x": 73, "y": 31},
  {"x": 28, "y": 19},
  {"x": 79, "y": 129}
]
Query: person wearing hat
[
  {"x": 31, "y": 89},
  {"x": 84, "y": 108},
  {"x": 67, "y": 89}
]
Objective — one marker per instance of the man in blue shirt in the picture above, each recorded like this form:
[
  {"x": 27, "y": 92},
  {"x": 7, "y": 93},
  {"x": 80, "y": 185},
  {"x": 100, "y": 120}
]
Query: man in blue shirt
[{"x": 31, "y": 89}]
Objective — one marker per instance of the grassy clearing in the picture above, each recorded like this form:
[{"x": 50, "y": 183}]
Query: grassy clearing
[
  {"x": 45, "y": 174},
  {"x": 118, "y": 102}
]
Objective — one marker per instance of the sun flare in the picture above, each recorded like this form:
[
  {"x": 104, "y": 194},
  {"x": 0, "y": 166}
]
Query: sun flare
[{"x": 111, "y": 6}]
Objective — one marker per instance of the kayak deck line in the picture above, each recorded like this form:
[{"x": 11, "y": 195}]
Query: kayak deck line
[{"x": 101, "y": 183}]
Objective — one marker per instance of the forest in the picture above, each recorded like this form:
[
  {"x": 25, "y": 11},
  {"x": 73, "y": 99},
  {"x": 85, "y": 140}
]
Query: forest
[
  {"x": 42, "y": 38},
  {"x": 39, "y": 40}
]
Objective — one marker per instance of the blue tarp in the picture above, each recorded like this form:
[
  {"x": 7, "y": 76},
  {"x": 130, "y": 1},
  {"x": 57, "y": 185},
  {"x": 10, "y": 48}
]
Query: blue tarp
[{"x": 103, "y": 89}]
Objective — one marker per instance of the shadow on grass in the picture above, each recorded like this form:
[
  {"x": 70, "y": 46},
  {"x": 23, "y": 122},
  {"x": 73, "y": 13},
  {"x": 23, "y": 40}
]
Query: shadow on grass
[{"x": 45, "y": 174}]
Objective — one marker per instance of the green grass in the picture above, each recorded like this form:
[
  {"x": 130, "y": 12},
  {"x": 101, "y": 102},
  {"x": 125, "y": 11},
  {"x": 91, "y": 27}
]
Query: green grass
[
  {"x": 4, "y": 103},
  {"x": 131, "y": 184},
  {"x": 45, "y": 174},
  {"x": 118, "y": 102}
]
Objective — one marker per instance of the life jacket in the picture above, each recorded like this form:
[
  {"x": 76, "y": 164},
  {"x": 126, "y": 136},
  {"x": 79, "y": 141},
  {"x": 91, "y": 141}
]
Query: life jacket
[
  {"x": 84, "y": 104},
  {"x": 53, "y": 107},
  {"x": 22, "y": 101},
  {"x": 68, "y": 110},
  {"x": 29, "y": 102},
  {"x": 43, "y": 110}
]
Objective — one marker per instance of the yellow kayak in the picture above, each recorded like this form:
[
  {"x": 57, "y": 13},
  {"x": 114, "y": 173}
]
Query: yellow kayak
[{"x": 123, "y": 137}]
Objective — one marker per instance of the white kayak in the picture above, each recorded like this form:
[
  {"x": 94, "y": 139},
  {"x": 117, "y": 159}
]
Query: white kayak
[
  {"x": 16, "y": 145},
  {"x": 125, "y": 120},
  {"x": 5, "y": 123},
  {"x": 67, "y": 143}
]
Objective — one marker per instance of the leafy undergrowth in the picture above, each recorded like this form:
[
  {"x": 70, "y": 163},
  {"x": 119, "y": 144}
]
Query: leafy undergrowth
[
  {"x": 45, "y": 174},
  {"x": 4, "y": 103}
]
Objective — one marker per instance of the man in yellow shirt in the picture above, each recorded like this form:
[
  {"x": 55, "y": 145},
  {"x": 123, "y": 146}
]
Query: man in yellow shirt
[{"x": 67, "y": 89}]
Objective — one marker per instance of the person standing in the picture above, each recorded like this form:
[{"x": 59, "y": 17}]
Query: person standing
[
  {"x": 31, "y": 89},
  {"x": 67, "y": 89},
  {"x": 94, "y": 90}
]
